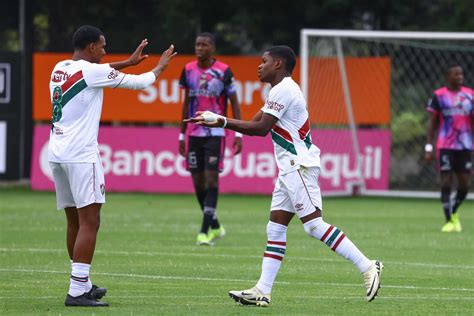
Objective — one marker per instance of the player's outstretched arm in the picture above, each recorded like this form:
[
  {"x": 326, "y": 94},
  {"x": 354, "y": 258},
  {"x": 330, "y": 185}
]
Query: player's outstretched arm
[
  {"x": 134, "y": 59},
  {"x": 259, "y": 127}
]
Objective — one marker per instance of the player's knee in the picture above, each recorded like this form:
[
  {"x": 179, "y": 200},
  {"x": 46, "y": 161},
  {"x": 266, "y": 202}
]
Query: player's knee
[
  {"x": 315, "y": 226},
  {"x": 276, "y": 231}
]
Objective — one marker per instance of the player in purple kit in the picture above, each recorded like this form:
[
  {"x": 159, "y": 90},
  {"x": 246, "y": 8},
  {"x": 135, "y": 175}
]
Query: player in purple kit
[
  {"x": 451, "y": 109},
  {"x": 208, "y": 84}
]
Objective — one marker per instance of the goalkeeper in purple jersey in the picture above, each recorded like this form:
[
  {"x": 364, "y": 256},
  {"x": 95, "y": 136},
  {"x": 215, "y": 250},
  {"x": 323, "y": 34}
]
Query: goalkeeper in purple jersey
[{"x": 452, "y": 114}]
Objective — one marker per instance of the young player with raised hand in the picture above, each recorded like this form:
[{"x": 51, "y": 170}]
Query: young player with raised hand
[
  {"x": 285, "y": 116},
  {"x": 76, "y": 88}
]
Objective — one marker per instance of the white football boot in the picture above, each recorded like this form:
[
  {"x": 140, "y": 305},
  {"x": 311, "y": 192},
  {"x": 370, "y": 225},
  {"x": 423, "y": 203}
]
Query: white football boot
[
  {"x": 251, "y": 296},
  {"x": 372, "y": 279}
]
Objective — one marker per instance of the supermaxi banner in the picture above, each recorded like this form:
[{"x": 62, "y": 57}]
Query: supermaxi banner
[{"x": 146, "y": 159}]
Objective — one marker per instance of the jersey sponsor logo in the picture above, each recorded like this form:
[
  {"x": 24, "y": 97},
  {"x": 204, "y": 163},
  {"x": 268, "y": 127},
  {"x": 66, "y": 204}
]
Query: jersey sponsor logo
[
  {"x": 456, "y": 111},
  {"x": 203, "y": 93},
  {"x": 59, "y": 76},
  {"x": 272, "y": 105},
  {"x": 113, "y": 74}
]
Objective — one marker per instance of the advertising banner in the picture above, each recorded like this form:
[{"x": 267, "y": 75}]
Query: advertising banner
[
  {"x": 3, "y": 146},
  {"x": 162, "y": 101},
  {"x": 12, "y": 127},
  {"x": 146, "y": 159}
]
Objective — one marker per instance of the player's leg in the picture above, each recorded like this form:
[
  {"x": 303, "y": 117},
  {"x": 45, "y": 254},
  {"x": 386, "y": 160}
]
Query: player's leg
[
  {"x": 199, "y": 182},
  {"x": 446, "y": 179},
  {"x": 72, "y": 229},
  {"x": 308, "y": 204},
  {"x": 275, "y": 249},
  {"x": 463, "y": 172},
  {"x": 463, "y": 188},
  {"x": 213, "y": 152},
  {"x": 280, "y": 217},
  {"x": 216, "y": 230},
  {"x": 195, "y": 163},
  {"x": 87, "y": 187}
]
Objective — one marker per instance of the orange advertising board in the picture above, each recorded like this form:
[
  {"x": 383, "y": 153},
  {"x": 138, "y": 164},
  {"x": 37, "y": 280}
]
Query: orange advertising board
[{"x": 369, "y": 81}]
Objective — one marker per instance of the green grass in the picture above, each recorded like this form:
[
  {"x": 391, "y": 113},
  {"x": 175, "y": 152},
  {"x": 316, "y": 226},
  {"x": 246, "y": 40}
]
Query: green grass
[{"x": 147, "y": 258}]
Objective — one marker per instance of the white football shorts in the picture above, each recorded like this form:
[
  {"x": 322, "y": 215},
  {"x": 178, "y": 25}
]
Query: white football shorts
[
  {"x": 78, "y": 184},
  {"x": 298, "y": 192}
]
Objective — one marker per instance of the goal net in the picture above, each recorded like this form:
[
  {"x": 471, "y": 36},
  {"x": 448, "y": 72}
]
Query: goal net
[{"x": 367, "y": 92}]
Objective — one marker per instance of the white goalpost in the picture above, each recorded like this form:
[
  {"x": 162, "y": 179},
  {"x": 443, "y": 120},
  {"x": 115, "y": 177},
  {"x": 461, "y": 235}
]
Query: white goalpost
[{"x": 369, "y": 89}]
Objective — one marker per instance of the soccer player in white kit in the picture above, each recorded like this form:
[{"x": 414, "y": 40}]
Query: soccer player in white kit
[
  {"x": 77, "y": 93},
  {"x": 285, "y": 115}
]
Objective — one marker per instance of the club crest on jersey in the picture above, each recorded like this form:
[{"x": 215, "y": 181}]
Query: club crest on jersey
[
  {"x": 459, "y": 100},
  {"x": 213, "y": 160},
  {"x": 57, "y": 94}
]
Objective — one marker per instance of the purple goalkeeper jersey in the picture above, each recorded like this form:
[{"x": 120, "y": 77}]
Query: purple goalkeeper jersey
[
  {"x": 209, "y": 90},
  {"x": 455, "y": 112}
]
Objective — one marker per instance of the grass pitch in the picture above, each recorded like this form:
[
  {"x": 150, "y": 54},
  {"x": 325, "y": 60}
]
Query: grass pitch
[{"x": 147, "y": 258}]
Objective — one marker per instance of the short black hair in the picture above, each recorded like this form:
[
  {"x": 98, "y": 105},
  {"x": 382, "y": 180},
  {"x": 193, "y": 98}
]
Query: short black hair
[
  {"x": 450, "y": 66},
  {"x": 286, "y": 53},
  {"x": 85, "y": 35},
  {"x": 210, "y": 36}
]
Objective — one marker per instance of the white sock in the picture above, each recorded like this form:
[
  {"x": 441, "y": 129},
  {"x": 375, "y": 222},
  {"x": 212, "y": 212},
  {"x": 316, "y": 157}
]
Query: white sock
[
  {"x": 273, "y": 256},
  {"x": 79, "y": 278},
  {"x": 338, "y": 242},
  {"x": 89, "y": 282}
]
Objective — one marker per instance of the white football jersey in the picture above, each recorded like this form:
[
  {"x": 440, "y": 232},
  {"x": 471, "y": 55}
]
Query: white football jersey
[
  {"x": 291, "y": 135},
  {"x": 76, "y": 94}
]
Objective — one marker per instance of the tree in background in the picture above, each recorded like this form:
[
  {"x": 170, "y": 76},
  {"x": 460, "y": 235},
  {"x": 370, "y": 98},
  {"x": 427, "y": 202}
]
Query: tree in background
[{"x": 241, "y": 27}]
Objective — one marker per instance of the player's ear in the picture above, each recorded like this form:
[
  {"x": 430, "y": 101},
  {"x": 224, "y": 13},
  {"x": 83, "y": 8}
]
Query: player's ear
[
  {"x": 278, "y": 63},
  {"x": 91, "y": 47}
]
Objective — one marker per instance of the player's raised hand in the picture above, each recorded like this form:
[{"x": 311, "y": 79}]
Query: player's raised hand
[
  {"x": 166, "y": 57},
  {"x": 137, "y": 56}
]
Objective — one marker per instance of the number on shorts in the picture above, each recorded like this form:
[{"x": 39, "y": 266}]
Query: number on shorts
[
  {"x": 445, "y": 163},
  {"x": 192, "y": 160}
]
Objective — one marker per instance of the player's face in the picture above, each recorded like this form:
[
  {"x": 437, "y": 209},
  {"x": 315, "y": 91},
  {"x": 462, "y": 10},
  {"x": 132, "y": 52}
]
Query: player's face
[
  {"x": 266, "y": 70},
  {"x": 204, "y": 48},
  {"x": 455, "y": 76},
  {"x": 97, "y": 49}
]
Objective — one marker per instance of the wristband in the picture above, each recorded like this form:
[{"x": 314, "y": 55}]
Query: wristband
[
  {"x": 181, "y": 136},
  {"x": 225, "y": 121},
  {"x": 429, "y": 148},
  {"x": 237, "y": 134}
]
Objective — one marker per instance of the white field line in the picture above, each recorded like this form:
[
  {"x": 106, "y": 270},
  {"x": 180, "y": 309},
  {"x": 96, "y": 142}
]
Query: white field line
[
  {"x": 185, "y": 278},
  {"x": 188, "y": 254},
  {"x": 445, "y": 298}
]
